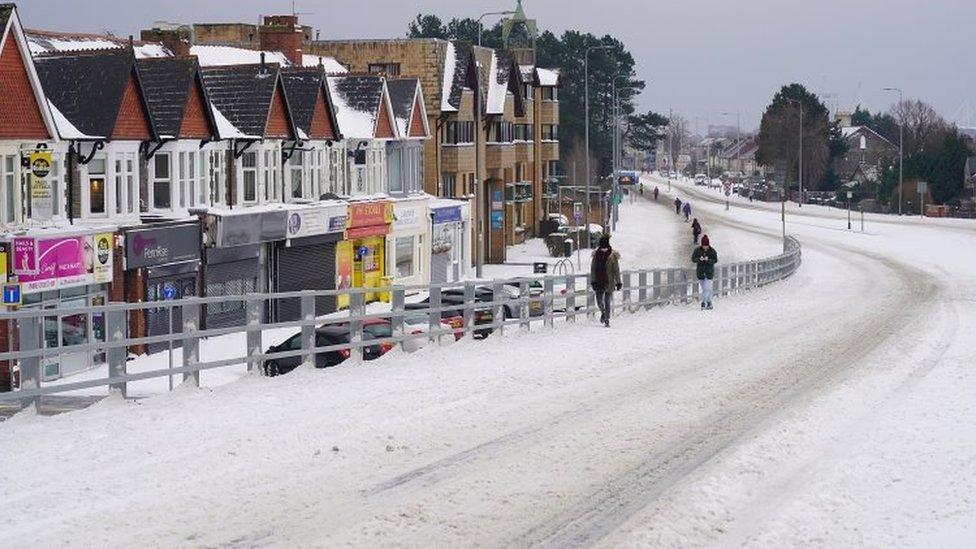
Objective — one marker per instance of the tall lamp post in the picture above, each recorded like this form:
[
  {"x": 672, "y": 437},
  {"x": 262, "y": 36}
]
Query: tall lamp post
[
  {"x": 799, "y": 200},
  {"x": 586, "y": 150},
  {"x": 901, "y": 144},
  {"x": 617, "y": 146},
  {"x": 486, "y": 14}
]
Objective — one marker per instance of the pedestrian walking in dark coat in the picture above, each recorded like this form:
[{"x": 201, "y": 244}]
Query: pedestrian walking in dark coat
[
  {"x": 605, "y": 277},
  {"x": 696, "y": 230},
  {"x": 677, "y": 206},
  {"x": 705, "y": 257},
  {"x": 655, "y": 194},
  {"x": 687, "y": 211}
]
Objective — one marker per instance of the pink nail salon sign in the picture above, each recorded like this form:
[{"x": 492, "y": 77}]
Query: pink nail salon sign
[{"x": 62, "y": 262}]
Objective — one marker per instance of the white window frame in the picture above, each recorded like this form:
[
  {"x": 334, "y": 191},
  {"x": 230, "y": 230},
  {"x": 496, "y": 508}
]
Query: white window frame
[
  {"x": 241, "y": 195},
  {"x": 11, "y": 179},
  {"x": 154, "y": 179},
  {"x": 107, "y": 193}
]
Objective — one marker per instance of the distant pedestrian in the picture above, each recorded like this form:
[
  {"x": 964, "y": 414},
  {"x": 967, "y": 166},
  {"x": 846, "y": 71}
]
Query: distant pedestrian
[
  {"x": 655, "y": 194},
  {"x": 696, "y": 230},
  {"x": 705, "y": 257},
  {"x": 641, "y": 188},
  {"x": 687, "y": 211},
  {"x": 605, "y": 277},
  {"x": 677, "y": 206}
]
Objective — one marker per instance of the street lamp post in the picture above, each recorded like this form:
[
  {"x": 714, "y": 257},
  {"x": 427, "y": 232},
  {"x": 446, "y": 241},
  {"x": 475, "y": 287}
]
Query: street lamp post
[
  {"x": 617, "y": 146},
  {"x": 799, "y": 200},
  {"x": 850, "y": 195},
  {"x": 901, "y": 144},
  {"x": 586, "y": 150},
  {"x": 486, "y": 14}
]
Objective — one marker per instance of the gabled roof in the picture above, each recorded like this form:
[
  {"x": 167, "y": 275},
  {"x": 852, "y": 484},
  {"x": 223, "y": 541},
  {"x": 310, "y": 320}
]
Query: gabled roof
[
  {"x": 360, "y": 100},
  {"x": 503, "y": 77},
  {"x": 459, "y": 74},
  {"x": 85, "y": 90},
  {"x": 407, "y": 99},
  {"x": 302, "y": 86},
  {"x": 240, "y": 97},
  {"x": 167, "y": 82},
  {"x": 17, "y": 111},
  {"x": 849, "y": 132}
]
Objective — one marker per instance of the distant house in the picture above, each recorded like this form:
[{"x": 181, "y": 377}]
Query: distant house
[{"x": 867, "y": 155}]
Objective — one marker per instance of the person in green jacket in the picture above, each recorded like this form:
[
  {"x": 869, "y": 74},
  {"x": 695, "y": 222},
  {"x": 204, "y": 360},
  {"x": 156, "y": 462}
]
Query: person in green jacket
[
  {"x": 605, "y": 277},
  {"x": 705, "y": 257}
]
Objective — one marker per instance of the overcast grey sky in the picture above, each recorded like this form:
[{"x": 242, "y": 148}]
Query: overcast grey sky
[{"x": 702, "y": 57}]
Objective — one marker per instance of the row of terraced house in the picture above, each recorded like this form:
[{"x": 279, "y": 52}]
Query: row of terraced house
[{"x": 224, "y": 159}]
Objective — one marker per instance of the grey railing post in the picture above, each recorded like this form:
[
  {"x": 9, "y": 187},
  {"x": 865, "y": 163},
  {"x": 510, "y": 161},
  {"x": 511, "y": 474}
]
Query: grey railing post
[
  {"x": 525, "y": 305},
  {"x": 548, "y": 289},
  {"x": 672, "y": 277},
  {"x": 357, "y": 307},
  {"x": 497, "y": 309},
  {"x": 308, "y": 329},
  {"x": 398, "y": 303},
  {"x": 30, "y": 333},
  {"x": 468, "y": 311},
  {"x": 656, "y": 289},
  {"x": 115, "y": 332},
  {"x": 590, "y": 299},
  {"x": 642, "y": 292},
  {"x": 688, "y": 291},
  {"x": 434, "y": 318},
  {"x": 570, "y": 298},
  {"x": 253, "y": 309},
  {"x": 191, "y": 342},
  {"x": 626, "y": 294}
]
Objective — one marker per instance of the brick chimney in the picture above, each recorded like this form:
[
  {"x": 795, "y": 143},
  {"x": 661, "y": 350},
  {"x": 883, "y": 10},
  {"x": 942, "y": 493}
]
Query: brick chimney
[
  {"x": 175, "y": 40},
  {"x": 282, "y": 33}
]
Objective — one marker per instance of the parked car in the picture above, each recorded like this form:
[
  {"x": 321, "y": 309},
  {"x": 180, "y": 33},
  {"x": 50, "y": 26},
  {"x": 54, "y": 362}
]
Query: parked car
[
  {"x": 700, "y": 179},
  {"x": 326, "y": 336},
  {"x": 452, "y": 304},
  {"x": 417, "y": 324}
]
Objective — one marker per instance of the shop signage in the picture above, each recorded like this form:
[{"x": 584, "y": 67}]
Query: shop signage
[
  {"x": 251, "y": 228},
  {"x": 368, "y": 219},
  {"x": 315, "y": 221},
  {"x": 161, "y": 245},
  {"x": 439, "y": 216},
  {"x": 25, "y": 256},
  {"x": 64, "y": 262},
  {"x": 4, "y": 249},
  {"x": 408, "y": 217},
  {"x": 41, "y": 188}
]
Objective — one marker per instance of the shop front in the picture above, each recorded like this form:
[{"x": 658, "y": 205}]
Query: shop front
[
  {"x": 407, "y": 246},
  {"x": 306, "y": 260},
  {"x": 162, "y": 263},
  {"x": 449, "y": 250},
  {"x": 60, "y": 272},
  {"x": 236, "y": 248},
  {"x": 361, "y": 256}
]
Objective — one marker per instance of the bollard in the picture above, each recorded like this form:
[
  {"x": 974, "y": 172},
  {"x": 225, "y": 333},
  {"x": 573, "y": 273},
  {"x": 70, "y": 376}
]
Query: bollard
[
  {"x": 115, "y": 330},
  {"x": 468, "y": 312},
  {"x": 548, "y": 290},
  {"x": 254, "y": 333},
  {"x": 308, "y": 329}
]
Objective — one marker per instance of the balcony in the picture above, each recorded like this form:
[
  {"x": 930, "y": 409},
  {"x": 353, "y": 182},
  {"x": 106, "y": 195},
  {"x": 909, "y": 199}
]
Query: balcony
[
  {"x": 549, "y": 112},
  {"x": 457, "y": 158},
  {"x": 524, "y": 151},
  {"x": 500, "y": 156},
  {"x": 550, "y": 150}
]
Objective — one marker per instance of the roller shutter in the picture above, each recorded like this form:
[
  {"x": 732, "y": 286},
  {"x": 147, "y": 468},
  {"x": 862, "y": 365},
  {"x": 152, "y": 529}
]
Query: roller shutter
[{"x": 309, "y": 267}]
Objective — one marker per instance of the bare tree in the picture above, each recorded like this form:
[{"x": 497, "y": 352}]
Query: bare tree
[
  {"x": 923, "y": 126},
  {"x": 677, "y": 136}
]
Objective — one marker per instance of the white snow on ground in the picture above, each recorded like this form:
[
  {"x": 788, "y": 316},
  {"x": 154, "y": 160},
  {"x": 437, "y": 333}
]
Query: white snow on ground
[{"x": 834, "y": 409}]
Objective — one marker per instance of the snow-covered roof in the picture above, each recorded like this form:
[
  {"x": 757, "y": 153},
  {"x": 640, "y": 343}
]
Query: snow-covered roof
[
  {"x": 211, "y": 56},
  {"x": 848, "y": 131},
  {"x": 548, "y": 77},
  {"x": 226, "y": 129},
  {"x": 497, "y": 86},
  {"x": 356, "y": 99},
  {"x": 66, "y": 129},
  {"x": 41, "y": 42},
  {"x": 329, "y": 63},
  {"x": 450, "y": 63}
]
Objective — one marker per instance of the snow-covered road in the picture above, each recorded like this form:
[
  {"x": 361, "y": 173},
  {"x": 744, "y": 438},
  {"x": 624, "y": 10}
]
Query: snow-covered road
[{"x": 834, "y": 409}]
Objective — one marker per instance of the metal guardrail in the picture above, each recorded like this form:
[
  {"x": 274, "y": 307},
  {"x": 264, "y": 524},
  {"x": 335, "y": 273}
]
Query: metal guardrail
[{"x": 539, "y": 304}]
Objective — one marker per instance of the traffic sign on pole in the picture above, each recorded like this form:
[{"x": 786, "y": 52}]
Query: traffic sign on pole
[{"x": 12, "y": 294}]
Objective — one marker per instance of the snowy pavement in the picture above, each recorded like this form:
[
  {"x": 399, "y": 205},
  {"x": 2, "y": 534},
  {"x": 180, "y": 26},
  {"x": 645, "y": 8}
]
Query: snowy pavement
[{"x": 834, "y": 409}]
